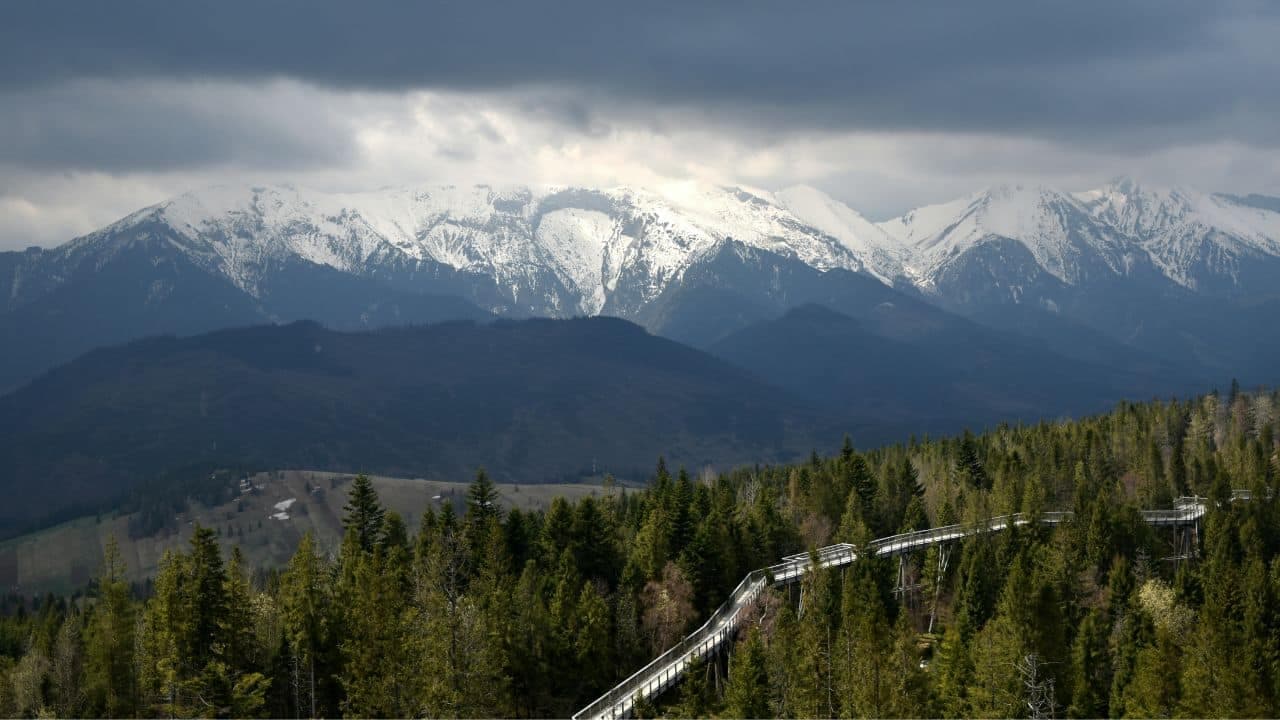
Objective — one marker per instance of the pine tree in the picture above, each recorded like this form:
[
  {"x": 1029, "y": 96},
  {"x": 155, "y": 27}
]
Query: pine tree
[
  {"x": 557, "y": 532},
  {"x": 304, "y": 595},
  {"x": 1156, "y": 491},
  {"x": 696, "y": 694},
  {"x": 680, "y": 512},
  {"x": 846, "y": 449},
  {"x": 747, "y": 692},
  {"x": 1155, "y": 688},
  {"x": 867, "y": 677},
  {"x": 528, "y": 658},
  {"x": 209, "y": 604},
  {"x": 968, "y": 465},
  {"x": 914, "y": 518},
  {"x": 242, "y": 651},
  {"x": 1091, "y": 668},
  {"x": 592, "y": 647},
  {"x": 482, "y": 499},
  {"x": 996, "y": 689},
  {"x": 161, "y": 651},
  {"x": 863, "y": 484},
  {"x": 395, "y": 550},
  {"x": 1260, "y": 628},
  {"x": 814, "y": 688},
  {"x": 651, "y": 549},
  {"x": 109, "y": 642},
  {"x": 376, "y": 668},
  {"x": 364, "y": 514},
  {"x": 593, "y": 541},
  {"x": 1177, "y": 469},
  {"x": 453, "y": 644},
  {"x": 213, "y": 683}
]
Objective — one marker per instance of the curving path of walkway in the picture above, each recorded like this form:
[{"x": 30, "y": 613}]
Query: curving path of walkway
[{"x": 666, "y": 669}]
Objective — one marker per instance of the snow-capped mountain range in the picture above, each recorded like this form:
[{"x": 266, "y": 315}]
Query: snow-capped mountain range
[
  {"x": 568, "y": 251},
  {"x": 550, "y": 250},
  {"x": 1182, "y": 232},
  {"x": 1141, "y": 265}
]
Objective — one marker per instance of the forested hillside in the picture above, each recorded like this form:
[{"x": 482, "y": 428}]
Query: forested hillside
[
  {"x": 533, "y": 401},
  {"x": 496, "y": 612}
]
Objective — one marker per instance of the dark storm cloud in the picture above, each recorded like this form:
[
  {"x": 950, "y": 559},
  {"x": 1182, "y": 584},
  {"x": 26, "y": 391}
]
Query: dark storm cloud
[
  {"x": 140, "y": 126},
  {"x": 1181, "y": 70}
]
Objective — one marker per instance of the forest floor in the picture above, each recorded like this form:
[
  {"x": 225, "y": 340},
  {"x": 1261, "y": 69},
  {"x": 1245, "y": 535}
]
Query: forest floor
[{"x": 267, "y": 519}]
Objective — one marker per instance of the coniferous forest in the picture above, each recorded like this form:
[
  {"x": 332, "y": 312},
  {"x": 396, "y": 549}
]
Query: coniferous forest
[{"x": 495, "y": 612}]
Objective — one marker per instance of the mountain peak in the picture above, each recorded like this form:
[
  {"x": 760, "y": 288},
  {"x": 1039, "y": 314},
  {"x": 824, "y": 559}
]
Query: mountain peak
[
  {"x": 561, "y": 250},
  {"x": 554, "y": 250},
  {"x": 881, "y": 255}
]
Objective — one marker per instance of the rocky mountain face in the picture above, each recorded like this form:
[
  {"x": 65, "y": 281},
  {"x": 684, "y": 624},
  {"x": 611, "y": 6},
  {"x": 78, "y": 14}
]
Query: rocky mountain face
[
  {"x": 795, "y": 318},
  {"x": 1188, "y": 276},
  {"x": 1152, "y": 269},
  {"x": 542, "y": 251},
  {"x": 236, "y": 256},
  {"x": 1031, "y": 241}
]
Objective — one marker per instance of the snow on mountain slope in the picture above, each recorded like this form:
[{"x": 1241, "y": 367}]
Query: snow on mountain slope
[
  {"x": 754, "y": 219},
  {"x": 881, "y": 253},
  {"x": 581, "y": 243},
  {"x": 567, "y": 251},
  {"x": 1185, "y": 231},
  {"x": 1054, "y": 227},
  {"x": 552, "y": 249},
  {"x": 239, "y": 231}
]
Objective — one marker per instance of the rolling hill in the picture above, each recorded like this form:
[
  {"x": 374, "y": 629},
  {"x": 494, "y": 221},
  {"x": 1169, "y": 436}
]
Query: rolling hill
[{"x": 533, "y": 400}]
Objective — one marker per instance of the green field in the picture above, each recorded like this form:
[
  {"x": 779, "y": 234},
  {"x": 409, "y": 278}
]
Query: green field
[{"x": 64, "y": 557}]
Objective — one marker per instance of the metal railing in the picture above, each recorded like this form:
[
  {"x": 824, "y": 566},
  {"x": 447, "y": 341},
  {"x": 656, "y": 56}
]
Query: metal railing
[{"x": 663, "y": 671}]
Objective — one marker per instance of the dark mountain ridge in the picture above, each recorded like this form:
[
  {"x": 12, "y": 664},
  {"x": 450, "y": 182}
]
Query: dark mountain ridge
[{"x": 529, "y": 400}]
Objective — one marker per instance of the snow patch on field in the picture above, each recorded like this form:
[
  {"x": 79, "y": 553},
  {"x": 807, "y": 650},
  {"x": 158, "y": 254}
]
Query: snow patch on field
[{"x": 282, "y": 509}]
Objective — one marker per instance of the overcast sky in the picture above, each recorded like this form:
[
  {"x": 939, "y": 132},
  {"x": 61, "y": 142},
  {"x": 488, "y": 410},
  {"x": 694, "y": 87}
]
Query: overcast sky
[{"x": 107, "y": 107}]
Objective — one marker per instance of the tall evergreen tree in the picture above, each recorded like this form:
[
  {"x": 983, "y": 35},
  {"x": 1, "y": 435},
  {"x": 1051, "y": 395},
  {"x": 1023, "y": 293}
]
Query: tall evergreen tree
[
  {"x": 747, "y": 692},
  {"x": 483, "y": 500},
  {"x": 969, "y": 467},
  {"x": 364, "y": 514},
  {"x": 1091, "y": 665},
  {"x": 109, "y": 642},
  {"x": 376, "y": 668},
  {"x": 304, "y": 594}
]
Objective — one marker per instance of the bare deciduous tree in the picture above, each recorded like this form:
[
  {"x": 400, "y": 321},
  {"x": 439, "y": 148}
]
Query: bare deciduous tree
[{"x": 668, "y": 607}]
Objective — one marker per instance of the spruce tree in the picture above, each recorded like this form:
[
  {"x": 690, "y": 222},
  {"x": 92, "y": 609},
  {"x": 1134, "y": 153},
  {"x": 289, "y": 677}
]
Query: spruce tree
[
  {"x": 868, "y": 681},
  {"x": 696, "y": 694},
  {"x": 747, "y": 692},
  {"x": 453, "y": 647},
  {"x": 1091, "y": 668},
  {"x": 969, "y": 467},
  {"x": 592, "y": 646},
  {"x": 161, "y": 648},
  {"x": 364, "y": 514},
  {"x": 304, "y": 595},
  {"x": 482, "y": 500},
  {"x": 109, "y": 642},
  {"x": 242, "y": 650},
  {"x": 864, "y": 486},
  {"x": 376, "y": 670}
]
